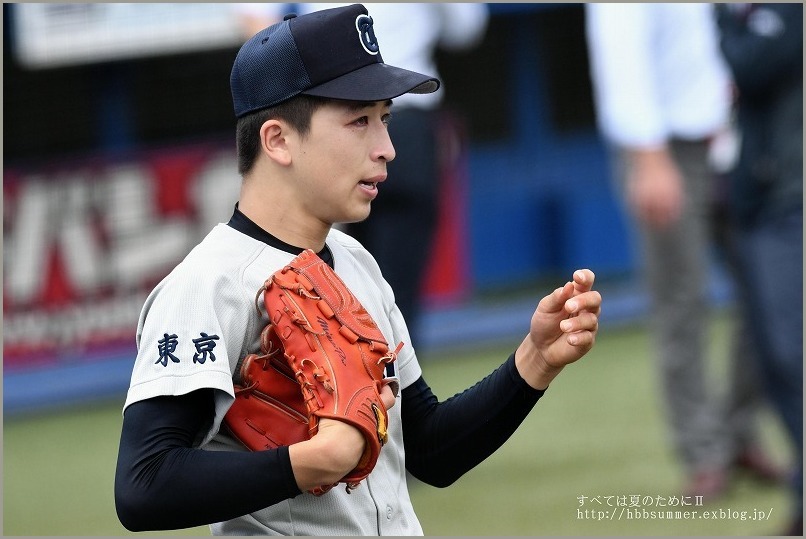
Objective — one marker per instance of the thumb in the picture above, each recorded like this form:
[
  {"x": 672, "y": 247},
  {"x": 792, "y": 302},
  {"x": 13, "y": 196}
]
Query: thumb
[
  {"x": 388, "y": 394},
  {"x": 555, "y": 301}
]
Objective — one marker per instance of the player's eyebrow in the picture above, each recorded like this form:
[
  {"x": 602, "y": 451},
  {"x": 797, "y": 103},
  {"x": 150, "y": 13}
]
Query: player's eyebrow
[{"x": 356, "y": 106}]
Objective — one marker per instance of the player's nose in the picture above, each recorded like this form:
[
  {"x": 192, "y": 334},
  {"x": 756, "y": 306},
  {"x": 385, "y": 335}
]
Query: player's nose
[{"x": 384, "y": 149}]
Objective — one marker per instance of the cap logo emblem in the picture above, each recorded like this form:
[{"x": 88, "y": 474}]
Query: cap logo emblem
[{"x": 366, "y": 34}]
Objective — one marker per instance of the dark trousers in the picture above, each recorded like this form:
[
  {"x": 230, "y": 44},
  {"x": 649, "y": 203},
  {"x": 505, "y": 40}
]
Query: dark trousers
[{"x": 772, "y": 268}]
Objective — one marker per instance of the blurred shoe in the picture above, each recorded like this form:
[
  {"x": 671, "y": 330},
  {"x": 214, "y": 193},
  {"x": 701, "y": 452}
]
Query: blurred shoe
[
  {"x": 710, "y": 484},
  {"x": 757, "y": 463}
]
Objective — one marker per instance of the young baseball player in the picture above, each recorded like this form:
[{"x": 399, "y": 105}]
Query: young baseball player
[{"x": 313, "y": 99}]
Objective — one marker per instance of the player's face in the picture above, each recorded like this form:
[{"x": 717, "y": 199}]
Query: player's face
[{"x": 342, "y": 162}]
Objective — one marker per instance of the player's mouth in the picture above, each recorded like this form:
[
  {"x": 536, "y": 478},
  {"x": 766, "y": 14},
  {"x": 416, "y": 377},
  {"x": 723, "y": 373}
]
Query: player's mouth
[{"x": 370, "y": 186}]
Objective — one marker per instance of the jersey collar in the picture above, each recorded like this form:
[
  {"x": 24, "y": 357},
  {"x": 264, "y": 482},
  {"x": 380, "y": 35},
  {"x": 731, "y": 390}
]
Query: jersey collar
[{"x": 245, "y": 225}]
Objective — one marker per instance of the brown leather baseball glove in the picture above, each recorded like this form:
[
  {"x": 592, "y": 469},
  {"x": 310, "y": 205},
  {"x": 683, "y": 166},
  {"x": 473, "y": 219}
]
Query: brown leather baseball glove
[{"x": 322, "y": 356}]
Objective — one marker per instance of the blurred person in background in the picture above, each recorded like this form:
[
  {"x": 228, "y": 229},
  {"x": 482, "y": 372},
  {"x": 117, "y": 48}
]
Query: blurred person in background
[
  {"x": 662, "y": 93},
  {"x": 403, "y": 223},
  {"x": 763, "y": 45}
]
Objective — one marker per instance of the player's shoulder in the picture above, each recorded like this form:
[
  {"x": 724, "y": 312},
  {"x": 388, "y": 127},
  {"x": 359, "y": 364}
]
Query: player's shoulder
[
  {"x": 344, "y": 240},
  {"x": 225, "y": 269},
  {"x": 224, "y": 256},
  {"x": 345, "y": 245},
  {"x": 223, "y": 249},
  {"x": 351, "y": 257}
]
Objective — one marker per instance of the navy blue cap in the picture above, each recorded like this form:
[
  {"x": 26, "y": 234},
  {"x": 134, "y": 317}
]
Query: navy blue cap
[{"x": 330, "y": 53}]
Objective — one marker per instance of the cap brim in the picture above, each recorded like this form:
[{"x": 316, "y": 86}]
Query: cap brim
[{"x": 375, "y": 82}]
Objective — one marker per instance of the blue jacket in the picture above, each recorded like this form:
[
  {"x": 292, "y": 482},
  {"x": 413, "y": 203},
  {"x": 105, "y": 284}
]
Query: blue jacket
[{"x": 763, "y": 44}]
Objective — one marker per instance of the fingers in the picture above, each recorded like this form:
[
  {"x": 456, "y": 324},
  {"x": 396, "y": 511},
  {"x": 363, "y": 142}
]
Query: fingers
[
  {"x": 581, "y": 339},
  {"x": 579, "y": 328},
  {"x": 583, "y": 309},
  {"x": 387, "y": 396},
  {"x": 574, "y": 296},
  {"x": 553, "y": 303},
  {"x": 584, "y": 297},
  {"x": 583, "y": 280},
  {"x": 590, "y": 301}
]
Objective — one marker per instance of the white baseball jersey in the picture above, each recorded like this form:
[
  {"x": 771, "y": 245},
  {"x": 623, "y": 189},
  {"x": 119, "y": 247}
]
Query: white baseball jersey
[{"x": 201, "y": 319}]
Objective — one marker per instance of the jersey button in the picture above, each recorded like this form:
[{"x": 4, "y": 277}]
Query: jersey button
[{"x": 388, "y": 513}]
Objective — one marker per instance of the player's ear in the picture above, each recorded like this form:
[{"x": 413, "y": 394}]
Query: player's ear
[{"x": 274, "y": 141}]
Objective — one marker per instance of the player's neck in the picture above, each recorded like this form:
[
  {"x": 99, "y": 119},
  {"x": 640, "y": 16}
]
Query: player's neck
[{"x": 285, "y": 223}]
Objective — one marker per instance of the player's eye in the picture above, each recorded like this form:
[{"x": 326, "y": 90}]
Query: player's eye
[
  {"x": 386, "y": 118},
  {"x": 363, "y": 120}
]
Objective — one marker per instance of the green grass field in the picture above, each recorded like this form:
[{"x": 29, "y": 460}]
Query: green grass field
[{"x": 598, "y": 432}]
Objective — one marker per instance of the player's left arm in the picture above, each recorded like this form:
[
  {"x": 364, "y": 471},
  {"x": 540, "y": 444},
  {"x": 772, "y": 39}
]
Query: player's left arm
[
  {"x": 563, "y": 329},
  {"x": 444, "y": 440}
]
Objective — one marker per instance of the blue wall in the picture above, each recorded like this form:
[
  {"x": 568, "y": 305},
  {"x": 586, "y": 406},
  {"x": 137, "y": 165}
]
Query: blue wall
[{"x": 541, "y": 202}]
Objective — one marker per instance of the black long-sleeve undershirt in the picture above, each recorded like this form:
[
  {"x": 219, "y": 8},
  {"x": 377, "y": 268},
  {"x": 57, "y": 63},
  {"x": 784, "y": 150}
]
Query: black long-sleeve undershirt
[
  {"x": 163, "y": 481},
  {"x": 444, "y": 440}
]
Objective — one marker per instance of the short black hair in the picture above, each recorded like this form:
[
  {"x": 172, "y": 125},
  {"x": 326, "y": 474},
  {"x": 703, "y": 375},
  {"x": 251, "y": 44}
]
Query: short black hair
[{"x": 297, "y": 112}]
